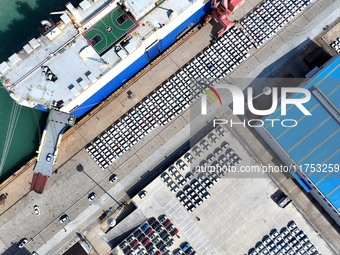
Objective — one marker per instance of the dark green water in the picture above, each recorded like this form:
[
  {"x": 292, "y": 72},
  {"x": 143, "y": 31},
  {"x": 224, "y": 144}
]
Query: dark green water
[{"x": 19, "y": 21}]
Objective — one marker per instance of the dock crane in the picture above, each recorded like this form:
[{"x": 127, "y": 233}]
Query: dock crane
[{"x": 221, "y": 10}]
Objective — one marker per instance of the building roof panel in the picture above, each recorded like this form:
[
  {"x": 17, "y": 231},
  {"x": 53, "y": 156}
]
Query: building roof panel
[
  {"x": 316, "y": 138},
  {"x": 312, "y": 138},
  {"x": 334, "y": 97},
  {"x": 306, "y": 127}
]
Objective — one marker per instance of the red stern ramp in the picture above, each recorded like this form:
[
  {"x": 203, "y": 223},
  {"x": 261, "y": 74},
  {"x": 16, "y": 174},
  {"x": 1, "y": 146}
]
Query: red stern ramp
[{"x": 38, "y": 183}]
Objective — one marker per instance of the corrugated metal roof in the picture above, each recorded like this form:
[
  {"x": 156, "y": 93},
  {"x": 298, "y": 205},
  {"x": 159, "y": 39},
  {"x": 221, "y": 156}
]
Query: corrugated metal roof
[{"x": 316, "y": 138}]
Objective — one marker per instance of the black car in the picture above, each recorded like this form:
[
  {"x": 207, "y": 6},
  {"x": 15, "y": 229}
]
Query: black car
[
  {"x": 152, "y": 221},
  {"x": 156, "y": 225},
  {"x": 160, "y": 245},
  {"x": 137, "y": 233},
  {"x": 190, "y": 251},
  {"x": 164, "y": 234},
  {"x": 141, "y": 238},
  {"x": 127, "y": 250},
  {"x": 149, "y": 247}
]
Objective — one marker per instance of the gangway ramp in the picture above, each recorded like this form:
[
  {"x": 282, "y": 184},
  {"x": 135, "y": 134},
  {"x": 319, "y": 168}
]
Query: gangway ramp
[{"x": 57, "y": 123}]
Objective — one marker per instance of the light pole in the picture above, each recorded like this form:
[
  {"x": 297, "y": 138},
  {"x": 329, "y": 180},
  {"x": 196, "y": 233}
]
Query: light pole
[
  {"x": 80, "y": 168},
  {"x": 266, "y": 91}
]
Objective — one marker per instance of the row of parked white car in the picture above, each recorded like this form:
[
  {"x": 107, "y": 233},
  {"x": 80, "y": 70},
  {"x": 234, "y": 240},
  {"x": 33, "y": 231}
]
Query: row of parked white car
[
  {"x": 171, "y": 98},
  {"x": 270, "y": 17},
  {"x": 290, "y": 241},
  {"x": 336, "y": 45}
]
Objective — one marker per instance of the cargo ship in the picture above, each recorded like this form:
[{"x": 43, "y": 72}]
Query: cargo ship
[{"x": 93, "y": 50}]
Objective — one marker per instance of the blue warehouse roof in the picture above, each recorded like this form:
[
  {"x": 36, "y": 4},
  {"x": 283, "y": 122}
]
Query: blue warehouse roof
[{"x": 316, "y": 138}]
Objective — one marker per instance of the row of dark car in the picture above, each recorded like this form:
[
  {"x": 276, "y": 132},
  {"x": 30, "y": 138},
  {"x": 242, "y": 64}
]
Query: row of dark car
[{"x": 154, "y": 237}]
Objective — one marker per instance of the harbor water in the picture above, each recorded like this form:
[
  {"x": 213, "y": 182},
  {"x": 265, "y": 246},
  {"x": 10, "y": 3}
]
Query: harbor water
[{"x": 20, "y": 127}]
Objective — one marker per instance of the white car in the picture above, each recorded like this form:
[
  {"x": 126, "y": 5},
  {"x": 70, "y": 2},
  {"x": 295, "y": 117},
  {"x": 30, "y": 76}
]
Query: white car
[
  {"x": 285, "y": 232},
  {"x": 197, "y": 150},
  {"x": 187, "y": 189},
  {"x": 113, "y": 178},
  {"x": 192, "y": 209},
  {"x": 205, "y": 196},
  {"x": 157, "y": 240},
  {"x": 292, "y": 225},
  {"x": 92, "y": 196},
  {"x": 36, "y": 210},
  {"x": 205, "y": 144},
  {"x": 23, "y": 243},
  {"x": 188, "y": 205},
  {"x": 49, "y": 157},
  {"x": 63, "y": 218},
  {"x": 71, "y": 119},
  {"x": 176, "y": 174},
  {"x": 139, "y": 248},
  {"x": 213, "y": 138},
  {"x": 224, "y": 146},
  {"x": 295, "y": 231},
  {"x": 181, "y": 196},
  {"x": 180, "y": 163},
  {"x": 130, "y": 239},
  {"x": 198, "y": 202},
  {"x": 189, "y": 157},
  {"x": 164, "y": 176},
  {"x": 173, "y": 187},
  {"x": 182, "y": 182},
  {"x": 220, "y": 130},
  {"x": 274, "y": 234},
  {"x": 172, "y": 169},
  {"x": 142, "y": 194},
  {"x": 123, "y": 244},
  {"x": 168, "y": 181}
]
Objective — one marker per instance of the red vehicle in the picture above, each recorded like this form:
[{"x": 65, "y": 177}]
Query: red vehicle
[
  {"x": 148, "y": 232},
  {"x": 174, "y": 232},
  {"x": 146, "y": 242},
  {"x": 134, "y": 244},
  {"x": 167, "y": 224}
]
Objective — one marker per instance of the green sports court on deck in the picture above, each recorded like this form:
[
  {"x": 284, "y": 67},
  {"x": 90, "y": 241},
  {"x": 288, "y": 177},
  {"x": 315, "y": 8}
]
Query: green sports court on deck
[{"x": 109, "y": 30}]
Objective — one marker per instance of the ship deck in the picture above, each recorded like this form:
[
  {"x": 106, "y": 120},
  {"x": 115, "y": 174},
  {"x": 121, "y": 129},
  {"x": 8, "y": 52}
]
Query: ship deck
[{"x": 82, "y": 57}]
